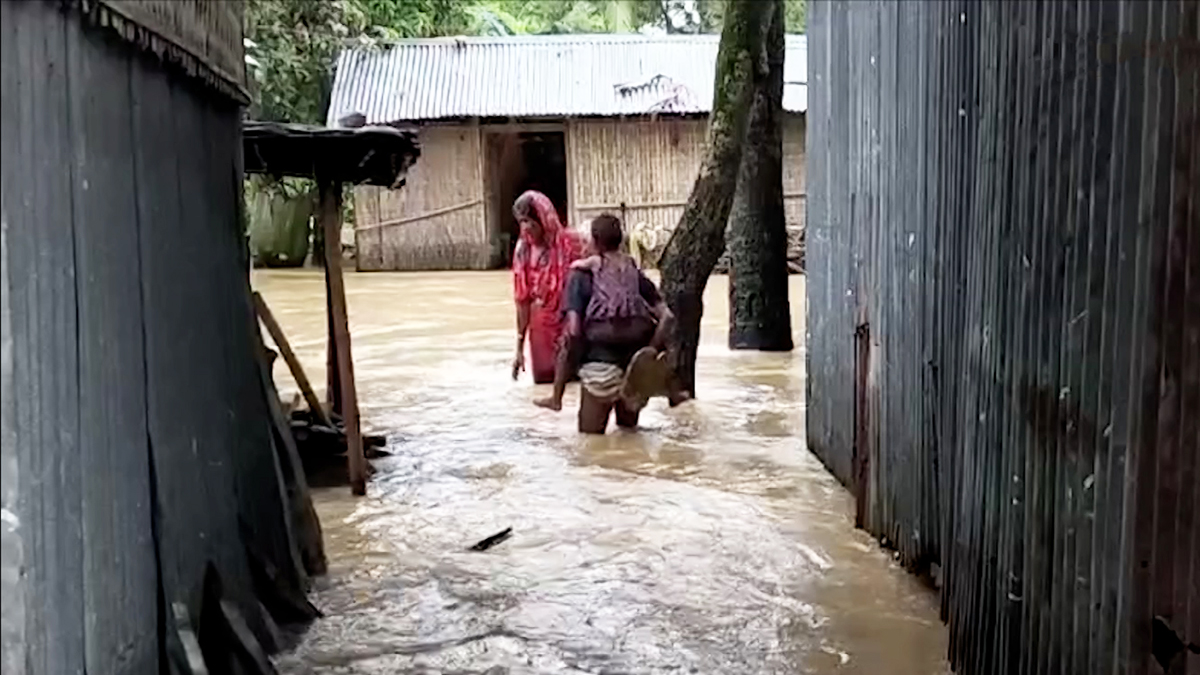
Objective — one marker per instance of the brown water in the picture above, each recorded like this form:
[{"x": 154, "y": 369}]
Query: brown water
[{"x": 709, "y": 542}]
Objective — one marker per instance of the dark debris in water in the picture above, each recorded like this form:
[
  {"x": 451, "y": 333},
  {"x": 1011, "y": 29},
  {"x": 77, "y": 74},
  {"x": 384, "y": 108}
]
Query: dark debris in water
[{"x": 499, "y": 537}]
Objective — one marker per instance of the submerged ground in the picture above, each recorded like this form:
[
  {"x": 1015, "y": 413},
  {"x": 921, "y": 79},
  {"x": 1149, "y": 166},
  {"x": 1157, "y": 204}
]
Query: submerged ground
[{"x": 710, "y": 542}]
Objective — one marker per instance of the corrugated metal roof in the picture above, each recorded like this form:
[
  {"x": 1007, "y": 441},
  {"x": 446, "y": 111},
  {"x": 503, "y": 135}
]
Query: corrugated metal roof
[{"x": 540, "y": 76}]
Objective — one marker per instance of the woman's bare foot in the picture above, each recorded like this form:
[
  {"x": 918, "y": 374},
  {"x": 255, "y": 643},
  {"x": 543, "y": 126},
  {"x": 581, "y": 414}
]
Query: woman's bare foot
[{"x": 549, "y": 403}]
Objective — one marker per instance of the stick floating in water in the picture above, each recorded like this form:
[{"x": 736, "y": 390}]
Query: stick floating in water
[{"x": 491, "y": 541}]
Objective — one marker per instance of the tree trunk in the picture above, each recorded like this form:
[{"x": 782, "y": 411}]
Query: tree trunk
[
  {"x": 759, "y": 313},
  {"x": 699, "y": 239}
]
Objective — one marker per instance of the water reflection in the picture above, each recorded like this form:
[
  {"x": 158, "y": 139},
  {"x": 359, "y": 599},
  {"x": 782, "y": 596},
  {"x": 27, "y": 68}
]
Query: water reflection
[{"x": 709, "y": 542}]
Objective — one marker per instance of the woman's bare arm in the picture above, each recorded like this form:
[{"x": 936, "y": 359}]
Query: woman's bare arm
[{"x": 523, "y": 311}]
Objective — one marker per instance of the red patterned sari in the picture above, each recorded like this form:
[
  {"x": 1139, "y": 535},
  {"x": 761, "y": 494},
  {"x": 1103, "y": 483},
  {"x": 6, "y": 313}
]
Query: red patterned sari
[{"x": 539, "y": 277}]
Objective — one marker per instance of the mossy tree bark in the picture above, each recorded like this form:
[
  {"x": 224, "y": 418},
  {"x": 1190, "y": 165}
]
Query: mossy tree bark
[
  {"x": 699, "y": 239},
  {"x": 759, "y": 312}
]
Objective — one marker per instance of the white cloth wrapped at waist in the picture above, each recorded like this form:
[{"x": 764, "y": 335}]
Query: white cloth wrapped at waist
[
  {"x": 602, "y": 380},
  {"x": 646, "y": 376}
]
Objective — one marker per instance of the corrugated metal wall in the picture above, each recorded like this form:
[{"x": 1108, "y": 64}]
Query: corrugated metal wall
[
  {"x": 650, "y": 165},
  {"x": 1004, "y": 293},
  {"x": 438, "y": 221},
  {"x": 133, "y": 412}
]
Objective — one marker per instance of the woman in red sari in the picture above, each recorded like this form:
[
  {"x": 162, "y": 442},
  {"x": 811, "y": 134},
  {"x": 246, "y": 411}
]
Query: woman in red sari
[{"x": 541, "y": 263}]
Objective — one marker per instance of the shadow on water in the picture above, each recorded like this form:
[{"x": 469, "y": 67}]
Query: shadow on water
[{"x": 708, "y": 542}]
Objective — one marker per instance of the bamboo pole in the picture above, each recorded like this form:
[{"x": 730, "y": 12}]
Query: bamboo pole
[
  {"x": 660, "y": 204},
  {"x": 289, "y": 357},
  {"x": 331, "y": 221},
  {"x": 420, "y": 216}
]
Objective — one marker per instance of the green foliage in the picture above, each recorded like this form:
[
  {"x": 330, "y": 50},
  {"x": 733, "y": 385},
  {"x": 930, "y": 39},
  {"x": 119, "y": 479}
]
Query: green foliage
[
  {"x": 531, "y": 17},
  {"x": 796, "y": 12},
  {"x": 292, "y": 44},
  {"x": 278, "y": 214},
  {"x": 394, "y": 19},
  {"x": 710, "y": 14}
]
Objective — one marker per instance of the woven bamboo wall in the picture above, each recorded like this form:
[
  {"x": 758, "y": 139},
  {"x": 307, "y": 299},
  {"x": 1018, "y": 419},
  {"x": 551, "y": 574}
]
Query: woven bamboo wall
[
  {"x": 794, "y": 172},
  {"x": 650, "y": 165},
  {"x": 437, "y": 221}
]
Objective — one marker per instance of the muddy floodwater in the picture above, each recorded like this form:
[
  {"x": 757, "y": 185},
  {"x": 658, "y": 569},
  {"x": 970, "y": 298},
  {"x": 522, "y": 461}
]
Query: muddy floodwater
[{"x": 711, "y": 541}]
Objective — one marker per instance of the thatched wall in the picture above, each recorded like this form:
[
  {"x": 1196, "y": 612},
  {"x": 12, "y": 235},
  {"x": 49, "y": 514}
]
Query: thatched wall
[
  {"x": 437, "y": 221},
  {"x": 650, "y": 165}
]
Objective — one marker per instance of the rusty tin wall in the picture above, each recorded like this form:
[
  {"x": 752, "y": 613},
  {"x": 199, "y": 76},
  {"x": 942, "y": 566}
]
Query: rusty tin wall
[{"x": 1004, "y": 294}]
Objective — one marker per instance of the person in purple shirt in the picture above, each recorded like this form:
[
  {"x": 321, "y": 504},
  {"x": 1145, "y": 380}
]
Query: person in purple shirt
[{"x": 617, "y": 326}]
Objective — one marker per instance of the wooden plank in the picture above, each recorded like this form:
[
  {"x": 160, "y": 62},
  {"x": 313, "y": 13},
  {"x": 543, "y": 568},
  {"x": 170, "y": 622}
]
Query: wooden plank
[
  {"x": 245, "y": 645},
  {"x": 330, "y": 214},
  {"x": 308, "y": 540},
  {"x": 184, "y": 652},
  {"x": 421, "y": 216},
  {"x": 293, "y": 485},
  {"x": 285, "y": 349}
]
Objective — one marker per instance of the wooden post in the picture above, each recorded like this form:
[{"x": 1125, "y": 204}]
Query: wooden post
[
  {"x": 333, "y": 389},
  {"x": 330, "y": 213},
  {"x": 289, "y": 357}
]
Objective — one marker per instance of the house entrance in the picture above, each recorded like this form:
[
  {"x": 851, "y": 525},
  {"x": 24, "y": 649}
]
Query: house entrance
[{"x": 518, "y": 161}]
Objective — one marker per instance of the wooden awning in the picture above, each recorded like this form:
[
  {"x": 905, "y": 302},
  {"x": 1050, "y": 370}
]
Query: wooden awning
[{"x": 375, "y": 155}]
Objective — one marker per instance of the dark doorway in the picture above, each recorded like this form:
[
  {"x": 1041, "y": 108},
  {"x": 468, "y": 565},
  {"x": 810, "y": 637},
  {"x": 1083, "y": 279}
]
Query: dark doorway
[{"x": 519, "y": 161}]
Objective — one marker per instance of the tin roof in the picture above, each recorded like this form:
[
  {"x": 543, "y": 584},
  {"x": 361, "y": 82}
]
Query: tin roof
[{"x": 540, "y": 76}]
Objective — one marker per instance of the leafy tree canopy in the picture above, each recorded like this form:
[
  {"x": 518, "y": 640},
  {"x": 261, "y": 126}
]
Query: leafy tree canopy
[{"x": 291, "y": 44}]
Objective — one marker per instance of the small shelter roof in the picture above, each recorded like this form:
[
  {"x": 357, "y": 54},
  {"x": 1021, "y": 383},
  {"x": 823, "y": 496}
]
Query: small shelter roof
[{"x": 371, "y": 155}]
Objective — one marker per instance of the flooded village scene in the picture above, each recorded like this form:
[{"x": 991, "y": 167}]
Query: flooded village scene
[
  {"x": 701, "y": 541},
  {"x": 489, "y": 337}
]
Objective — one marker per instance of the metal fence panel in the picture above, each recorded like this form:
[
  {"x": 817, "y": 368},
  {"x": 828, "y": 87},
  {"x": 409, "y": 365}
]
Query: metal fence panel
[{"x": 1003, "y": 247}]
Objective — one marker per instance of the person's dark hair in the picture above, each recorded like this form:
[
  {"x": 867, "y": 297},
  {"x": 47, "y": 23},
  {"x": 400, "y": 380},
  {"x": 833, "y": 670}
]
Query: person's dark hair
[{"x": 606, "y": 232}]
